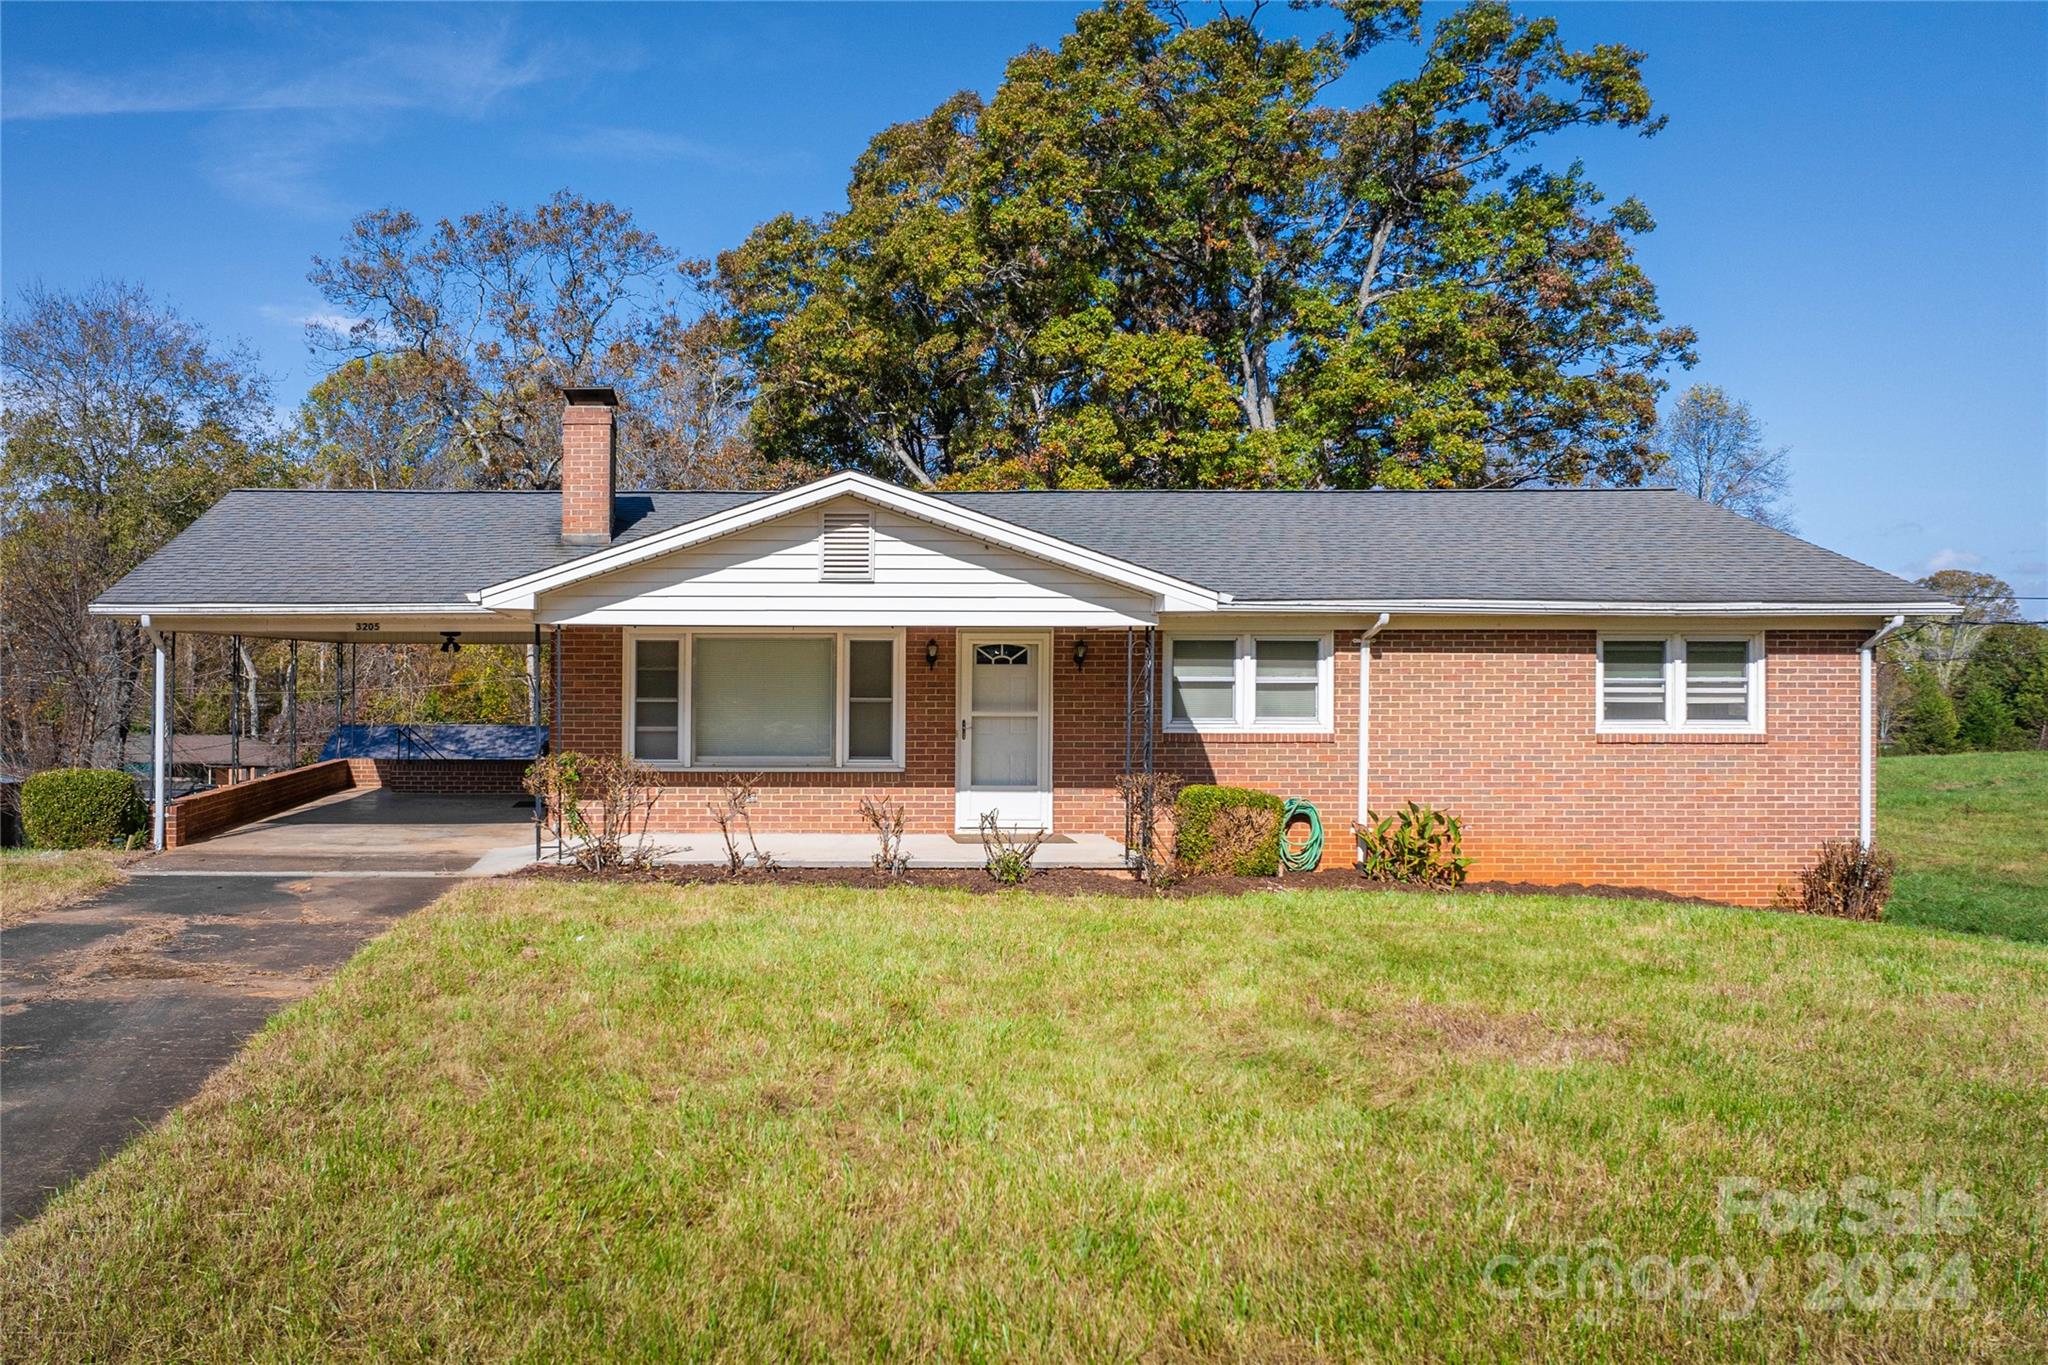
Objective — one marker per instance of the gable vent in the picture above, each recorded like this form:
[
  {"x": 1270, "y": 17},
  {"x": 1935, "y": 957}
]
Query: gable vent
[{"x": 849, "y": 548}]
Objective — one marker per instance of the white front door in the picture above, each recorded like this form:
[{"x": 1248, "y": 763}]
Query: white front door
[{"x": 1005, "y": 754}]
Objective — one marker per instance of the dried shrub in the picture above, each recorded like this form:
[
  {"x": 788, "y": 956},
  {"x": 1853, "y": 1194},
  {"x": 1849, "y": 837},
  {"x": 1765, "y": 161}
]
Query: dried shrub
[
  {"x": 1849, "y": 881},
  {"x": 572, "y": 788},
  {"x": 1148, "y": 805},
  {"x": 737, "y": 798},
  {"x": 1418, "y": 844},
  {"x": 887, "y": 819},
  {"x": 1227, "y": 830},
  {"x": 1005, "y": 856}
]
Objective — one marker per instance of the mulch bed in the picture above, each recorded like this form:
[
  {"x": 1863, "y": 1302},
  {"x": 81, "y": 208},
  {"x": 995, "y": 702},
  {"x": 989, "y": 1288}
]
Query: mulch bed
[{"x": 1072, "y": 881}]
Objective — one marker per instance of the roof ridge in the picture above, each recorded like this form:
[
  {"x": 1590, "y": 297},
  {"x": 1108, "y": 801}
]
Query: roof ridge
[{"x": 1292, "y": 492}]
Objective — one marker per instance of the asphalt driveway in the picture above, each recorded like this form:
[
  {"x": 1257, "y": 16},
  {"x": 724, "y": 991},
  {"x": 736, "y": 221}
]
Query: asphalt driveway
[{"x": 114, "y": 1011}]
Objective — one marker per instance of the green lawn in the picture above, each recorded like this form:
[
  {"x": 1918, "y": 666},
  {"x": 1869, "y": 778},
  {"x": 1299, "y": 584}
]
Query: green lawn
[
  {"x": 33, "y": 880},
  {"x": 550, "y": 1121},
  {"x": 1971, "y": 835}
]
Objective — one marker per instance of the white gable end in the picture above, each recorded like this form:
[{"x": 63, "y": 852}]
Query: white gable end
[{"x": 779, "y": 573}]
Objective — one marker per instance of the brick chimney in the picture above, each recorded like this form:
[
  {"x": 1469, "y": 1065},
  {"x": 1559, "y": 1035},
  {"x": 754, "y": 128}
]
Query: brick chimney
[{"x": 590, "y": 464}]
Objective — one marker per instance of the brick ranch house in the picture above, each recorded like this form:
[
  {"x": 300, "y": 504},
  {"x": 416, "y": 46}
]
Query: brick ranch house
[{"x": 1626, "y": 687}]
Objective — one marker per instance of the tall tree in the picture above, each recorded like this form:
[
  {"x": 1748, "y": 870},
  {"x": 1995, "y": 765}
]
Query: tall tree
[
  {"x": 121, "y": 422},
  {"x": 464, "y": 333},
  {"x": 1718, "y": 454},
  {"x": 1158, "y": 255},
  {"x": 2010, "y": 663},
  {"x": 378, "y": 421},
  {"x": 1946, "y": 645}
]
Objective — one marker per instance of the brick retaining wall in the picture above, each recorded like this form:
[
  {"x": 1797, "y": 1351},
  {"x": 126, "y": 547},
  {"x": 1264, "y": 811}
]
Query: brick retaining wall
[{"x": 204, "y": 814}]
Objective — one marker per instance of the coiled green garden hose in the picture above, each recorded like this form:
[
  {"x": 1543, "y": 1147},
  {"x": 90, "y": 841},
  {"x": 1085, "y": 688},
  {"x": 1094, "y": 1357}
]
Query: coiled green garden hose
[{"x": 1311, "y": 852}]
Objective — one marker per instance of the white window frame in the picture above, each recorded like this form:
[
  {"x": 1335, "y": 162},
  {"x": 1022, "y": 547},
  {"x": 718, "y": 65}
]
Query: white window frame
[
  {"x": 1243, "y": 686},
  {"x": 1674, "y": 722},
  {"x": 841, "y": 680}
]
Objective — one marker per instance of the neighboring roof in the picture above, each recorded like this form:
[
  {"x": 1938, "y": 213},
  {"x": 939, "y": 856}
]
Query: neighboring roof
[
  {"x": 210, "y": 751},
  {"x": 1596, "y": 546},
  {"x": 458, "y": 743}
]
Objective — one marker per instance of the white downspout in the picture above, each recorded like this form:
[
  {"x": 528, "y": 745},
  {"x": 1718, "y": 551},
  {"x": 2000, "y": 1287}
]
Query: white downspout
[
  {"x": 160, "y": 686},
  {"x": 1365, "y": 707},
  {"x": 1866, "y": 786}
]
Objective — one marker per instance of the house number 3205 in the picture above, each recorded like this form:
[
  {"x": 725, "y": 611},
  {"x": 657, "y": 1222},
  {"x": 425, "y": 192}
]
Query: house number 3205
[{"x": 368, "y": 627}]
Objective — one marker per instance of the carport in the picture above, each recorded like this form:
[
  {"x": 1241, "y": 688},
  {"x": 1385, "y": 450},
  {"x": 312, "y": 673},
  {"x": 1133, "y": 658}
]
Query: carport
[{"x": 402, "y": 819}]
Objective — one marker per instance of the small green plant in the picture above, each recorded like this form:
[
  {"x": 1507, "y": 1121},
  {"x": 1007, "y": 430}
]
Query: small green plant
[
  {"x": 1006, "y": 855},
  {"x": 1419, "y": 844},
  {"x": 1848, "y": 881},
  {"x": 1227, "y": 830},
  {"x": 81, "y": 808}
]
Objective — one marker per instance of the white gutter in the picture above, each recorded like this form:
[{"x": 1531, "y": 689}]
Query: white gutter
[
  {"x": 1365, "y": 707},
  {"x": 290, "y": 609},
  {"x": 160, "y": 688},
  {"x": 1866, "y": 786},
  {"x": 1525, "y": 606}
]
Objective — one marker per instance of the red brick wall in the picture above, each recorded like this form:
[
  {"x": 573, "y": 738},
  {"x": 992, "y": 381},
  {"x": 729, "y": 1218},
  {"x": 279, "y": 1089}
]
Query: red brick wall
[
  {"x": 588, "y": 472},
  {"x": 828, "y": 802},
  {"x": 1498, "y": 727},
  {"x": 204, "y": 814},
  {"x": 1088, "y": 743},
  {"x": 1495, "y": 726},
  {"x": 439, "y": 776}
]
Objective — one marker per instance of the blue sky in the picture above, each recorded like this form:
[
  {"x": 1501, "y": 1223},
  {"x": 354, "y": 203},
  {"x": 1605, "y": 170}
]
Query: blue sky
[{"x": 1852, "y": 199}]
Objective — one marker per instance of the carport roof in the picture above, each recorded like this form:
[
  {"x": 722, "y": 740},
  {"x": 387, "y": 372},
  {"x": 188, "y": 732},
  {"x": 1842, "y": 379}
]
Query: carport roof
[{"x": 318, "y": 548}]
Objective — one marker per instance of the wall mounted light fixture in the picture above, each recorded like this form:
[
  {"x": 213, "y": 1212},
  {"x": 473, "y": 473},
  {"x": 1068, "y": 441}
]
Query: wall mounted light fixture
[
  {"x": 1080, "y": 653},
  {"x": 931, "y": 653}
]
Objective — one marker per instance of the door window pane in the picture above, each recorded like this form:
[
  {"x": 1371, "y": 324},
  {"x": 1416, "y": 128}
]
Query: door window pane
[
  {"x": 654, "y": 699},
  {"x": 1717, "y": 681},
  {"x": 1203, "y": 680},
  {"x": 762, "y": 698},
  {"x": 870, "y": 699},
  {"x": 1286, "y": 675},
  {"x": 1005, "y": 679},
  {"x": 1634, "y": 681}
]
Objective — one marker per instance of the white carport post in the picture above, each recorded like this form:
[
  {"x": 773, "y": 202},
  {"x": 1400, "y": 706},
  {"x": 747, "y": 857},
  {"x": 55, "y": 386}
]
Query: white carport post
[{"x": 161, "y": 684}]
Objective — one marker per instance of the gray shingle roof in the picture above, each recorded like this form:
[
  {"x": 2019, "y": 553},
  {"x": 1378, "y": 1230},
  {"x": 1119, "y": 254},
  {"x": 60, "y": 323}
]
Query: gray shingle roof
[{"x": 315, "y": 548}]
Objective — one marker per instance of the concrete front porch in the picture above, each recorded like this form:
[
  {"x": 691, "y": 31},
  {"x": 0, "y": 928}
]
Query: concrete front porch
[
  {"x": 857, "y": 850},
  {"x": 377, "y": 832}
]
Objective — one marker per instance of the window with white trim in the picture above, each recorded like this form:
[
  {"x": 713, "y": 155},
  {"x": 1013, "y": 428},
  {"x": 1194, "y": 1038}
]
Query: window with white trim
[
  {"x": 1683, "y": 683},
  {"x": 1248, "y": 682},
  {"x": 831, "y": 699}
]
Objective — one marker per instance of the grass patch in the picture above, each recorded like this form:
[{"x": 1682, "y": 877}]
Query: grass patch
[
  {"x": 561, "y": 1122},
  {"x": 1971, "y": 835},
  {"x": 35, "y": 880}
]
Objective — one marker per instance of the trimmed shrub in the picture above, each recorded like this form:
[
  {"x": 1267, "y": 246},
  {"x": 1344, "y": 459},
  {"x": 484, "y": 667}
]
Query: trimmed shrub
[
  {"x": 81, "y": 808},
  {"x": 1848, "y": 881},
  {"x": 1227, "y": 829}
]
